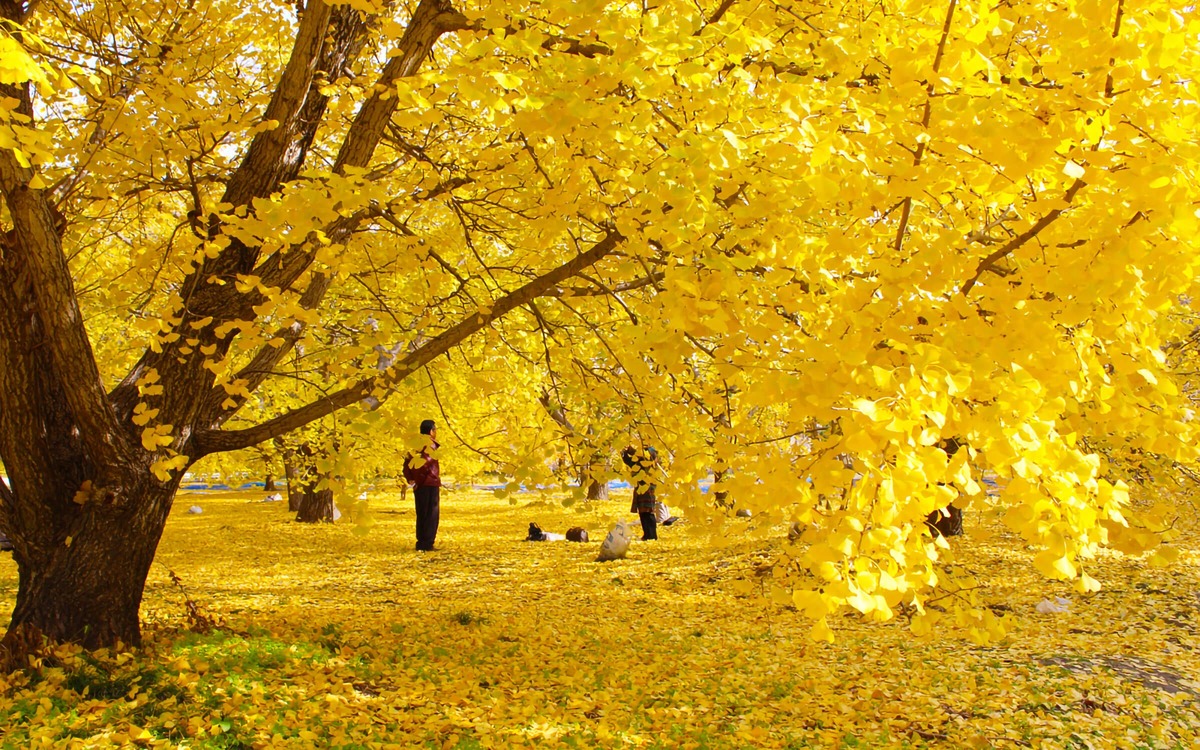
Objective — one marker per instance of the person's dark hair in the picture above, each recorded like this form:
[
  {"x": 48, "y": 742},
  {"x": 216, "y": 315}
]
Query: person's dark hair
[{"x": 427, "y": 426}]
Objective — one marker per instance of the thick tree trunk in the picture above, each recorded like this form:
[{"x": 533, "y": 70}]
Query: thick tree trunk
[
  {"x": 87, "y": 586},
  {"x": 315, "y": 505}
]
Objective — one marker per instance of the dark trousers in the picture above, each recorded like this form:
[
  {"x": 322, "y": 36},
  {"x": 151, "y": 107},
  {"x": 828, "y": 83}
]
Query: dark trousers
[
  {"x": 428, "y": 511},
  {"x": 649, "y": 526}
]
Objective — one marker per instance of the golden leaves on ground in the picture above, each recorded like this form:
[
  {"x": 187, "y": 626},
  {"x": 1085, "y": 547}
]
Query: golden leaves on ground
[{"x": 334, "y": 639}]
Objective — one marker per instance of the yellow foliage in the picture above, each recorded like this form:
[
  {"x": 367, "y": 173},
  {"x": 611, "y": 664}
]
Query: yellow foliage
[{"x": 327, "y": 638}]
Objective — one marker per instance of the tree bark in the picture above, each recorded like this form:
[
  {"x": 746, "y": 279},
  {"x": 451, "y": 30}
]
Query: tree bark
[
  {"x": 269, "y": 483},
  {"x": 292, "y": 480},
  {"x": 315, "y": 505},
  {"x": 87, "y": 588},
  {"x": 720, "y": 496},
  {"x": 597, "y": 490},
  {"x": 948, "y": 521}
]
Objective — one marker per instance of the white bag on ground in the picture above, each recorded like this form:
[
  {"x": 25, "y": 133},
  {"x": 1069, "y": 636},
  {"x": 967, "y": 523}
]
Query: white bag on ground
[
  {"x": 616, "y": 544},
  {"x": 1047, "y": 607}
]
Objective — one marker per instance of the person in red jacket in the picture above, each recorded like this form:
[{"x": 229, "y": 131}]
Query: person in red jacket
[{"x": 423, "y": 472}]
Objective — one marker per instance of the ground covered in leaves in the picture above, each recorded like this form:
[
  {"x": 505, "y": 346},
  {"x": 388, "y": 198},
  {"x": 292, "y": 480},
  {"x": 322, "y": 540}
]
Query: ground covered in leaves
[{"x": 329, "y": 637}]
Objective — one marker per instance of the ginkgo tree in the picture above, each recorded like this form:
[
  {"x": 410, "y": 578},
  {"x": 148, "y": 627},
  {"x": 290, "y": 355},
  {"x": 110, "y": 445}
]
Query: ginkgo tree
[{"x": 898, "y": 222}]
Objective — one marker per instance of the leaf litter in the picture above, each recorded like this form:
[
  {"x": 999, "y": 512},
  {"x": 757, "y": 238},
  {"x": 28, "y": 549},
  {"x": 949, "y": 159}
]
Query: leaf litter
[{"x": 320, "y": 636}]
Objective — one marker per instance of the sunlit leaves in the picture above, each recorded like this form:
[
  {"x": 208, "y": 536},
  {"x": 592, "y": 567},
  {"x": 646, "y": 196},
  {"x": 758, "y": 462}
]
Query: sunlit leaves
[
  {"x": 341, "y": 639},
  {"x": 852, "y": 234}
]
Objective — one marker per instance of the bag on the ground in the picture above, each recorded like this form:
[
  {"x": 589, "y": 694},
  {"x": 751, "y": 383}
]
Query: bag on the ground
[
  {"x": 662, "y": 513},
  {"x": 616, "y": 544},
  {"x": 577, "y": 534}
]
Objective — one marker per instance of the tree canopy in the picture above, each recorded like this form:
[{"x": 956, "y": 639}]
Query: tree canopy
[{"x": 797, "y": 246}]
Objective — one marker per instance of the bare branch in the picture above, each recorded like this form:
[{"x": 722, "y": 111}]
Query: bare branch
[
  {"x": 600, "y": 289},
  {"x": 987, "y": 263},
  {"x": 906, "y": 212}
]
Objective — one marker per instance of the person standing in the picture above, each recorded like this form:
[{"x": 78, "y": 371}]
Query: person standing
[
  {"x": 641, "y": 465},
  {"x": 423, "y": 472}
]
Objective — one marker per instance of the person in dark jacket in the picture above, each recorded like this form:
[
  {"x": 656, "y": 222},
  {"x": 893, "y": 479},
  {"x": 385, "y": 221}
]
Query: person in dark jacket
[
  {"x": 423, "y": 472},
  {"x": 641, "y": 464}
]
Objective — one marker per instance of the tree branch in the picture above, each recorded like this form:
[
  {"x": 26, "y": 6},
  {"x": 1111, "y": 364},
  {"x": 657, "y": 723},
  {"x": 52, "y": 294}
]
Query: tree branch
[
  {"x": 265, "y": 359},
  {"x": 430, "y": 20},
  {"x": 36, "y": 239},
  {"x": 215, "y": 441},
  {"x": 906, "y": 212},
  {"x": 719, "y": 13},
  {"x": 599, "y": 289},
  {"x": 256, "y": 175},
  {"x": 1021, "y": 239}
]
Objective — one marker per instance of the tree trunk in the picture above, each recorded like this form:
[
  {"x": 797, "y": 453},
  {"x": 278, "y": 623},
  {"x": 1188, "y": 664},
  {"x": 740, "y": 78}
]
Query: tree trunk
[
  {"x": 315, "y": 505},
  {"x": 87, "y": 588},
  {"x": 597, "y": 465},
  {"x": 948, "y": 521},
  {"x": 312, "y": 505},
  {"x": 292, "y": 479},
  {"x": 720, "y": 496},
  {"x": 269, "y": 483},
  {"x": 597, "y": 490}
]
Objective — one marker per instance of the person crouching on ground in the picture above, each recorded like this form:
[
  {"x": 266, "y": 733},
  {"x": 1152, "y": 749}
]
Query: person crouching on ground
[
  {"x": 423, "y": 472},
  {"x": 641, "y": 465}
]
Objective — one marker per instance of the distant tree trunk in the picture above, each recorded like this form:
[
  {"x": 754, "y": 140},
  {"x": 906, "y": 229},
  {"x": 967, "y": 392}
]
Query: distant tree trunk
[
  {"x": 315, "y": 505},
  {"x": 269, "y": 483},
  {"x": 948, "y": 521},
  {"x": 721, "y": 497},
  {"x": 292, "y": 479},
  {"x": 312, "y": 505},
  {"x": 597, "y": 465},
  {"x": 597, "y": 490}
]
